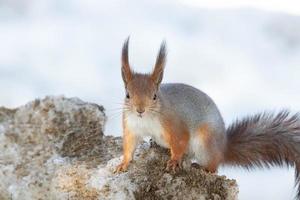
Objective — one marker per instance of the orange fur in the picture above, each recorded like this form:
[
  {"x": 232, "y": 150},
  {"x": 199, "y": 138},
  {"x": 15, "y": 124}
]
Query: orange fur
[
  {"x": 177, "y": 137},
  {"x": 207, "y": 136},
  {"x": 129, "y": 145}
]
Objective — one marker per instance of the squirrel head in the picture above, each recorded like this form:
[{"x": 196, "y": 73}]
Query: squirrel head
[{"x": 142, "y": 89}]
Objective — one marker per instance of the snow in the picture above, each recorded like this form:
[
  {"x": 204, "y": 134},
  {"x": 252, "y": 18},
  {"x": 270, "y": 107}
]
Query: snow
[
  {"x": 247, "y": 60},
  {"x": 31, "y": 139}
]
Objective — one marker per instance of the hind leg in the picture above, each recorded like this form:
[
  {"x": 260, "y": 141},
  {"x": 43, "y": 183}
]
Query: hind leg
[
  {"x": 206, "y": 149},
  {"x": 213, "y": 164}
]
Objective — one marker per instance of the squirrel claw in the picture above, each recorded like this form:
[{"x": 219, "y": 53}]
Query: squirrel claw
[
  {"x": 121, "y": 168},
  {"x": 196, "y": 166},
  {"x": 173, "y": 165},
  {"x": 153, "y": 144}
]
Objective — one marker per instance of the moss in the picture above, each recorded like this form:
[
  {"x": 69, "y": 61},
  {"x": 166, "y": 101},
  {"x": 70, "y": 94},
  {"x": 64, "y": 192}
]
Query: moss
[
  {"x": 72, "y": 180},
  {"x": 91, "y": 148},
  {"x": 155, "y": 183},
  {"x": 40, "y": 130},
  {"x": 6, "y": 113}
]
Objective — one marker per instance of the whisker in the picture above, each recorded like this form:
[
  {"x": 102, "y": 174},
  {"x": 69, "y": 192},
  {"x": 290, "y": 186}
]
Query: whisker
[{"x": 156, "y": 111}]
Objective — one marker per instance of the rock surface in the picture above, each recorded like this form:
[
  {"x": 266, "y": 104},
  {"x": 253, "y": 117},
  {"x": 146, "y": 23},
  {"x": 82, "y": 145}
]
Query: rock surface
[{"x": 55, "y": 149}]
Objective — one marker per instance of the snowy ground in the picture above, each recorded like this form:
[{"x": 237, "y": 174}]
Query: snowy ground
[{"x": 246, "y": 60}]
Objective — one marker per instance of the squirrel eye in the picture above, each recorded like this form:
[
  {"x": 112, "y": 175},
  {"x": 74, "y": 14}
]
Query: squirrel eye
[
  {"x": 154, "y": 97},
  {"x": 127, "y": 95}
]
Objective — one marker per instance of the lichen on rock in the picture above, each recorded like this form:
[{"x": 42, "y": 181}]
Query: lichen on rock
[{"x": 54, "y": 148}]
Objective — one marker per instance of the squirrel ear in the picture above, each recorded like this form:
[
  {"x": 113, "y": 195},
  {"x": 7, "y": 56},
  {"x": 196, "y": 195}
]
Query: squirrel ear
[
  {"x": 157, "y": 74},
  {"x": 126, "y": 71}
]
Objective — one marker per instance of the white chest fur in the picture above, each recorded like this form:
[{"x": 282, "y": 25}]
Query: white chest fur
[{"x": 148, "y": 125}]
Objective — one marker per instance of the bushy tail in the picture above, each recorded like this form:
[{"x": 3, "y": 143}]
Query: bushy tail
[{"x": 265, "y": 140}]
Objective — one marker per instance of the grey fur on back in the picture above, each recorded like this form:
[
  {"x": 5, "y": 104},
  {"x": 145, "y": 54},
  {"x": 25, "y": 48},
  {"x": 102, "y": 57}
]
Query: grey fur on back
[{"x": 192, "y": 106}]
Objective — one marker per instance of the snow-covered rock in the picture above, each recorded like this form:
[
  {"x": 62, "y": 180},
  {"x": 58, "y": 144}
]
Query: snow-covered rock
[{"x": 54, "y": 148}]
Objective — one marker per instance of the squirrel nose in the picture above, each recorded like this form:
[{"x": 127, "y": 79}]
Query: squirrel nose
[{"x": 140, "y": 110}]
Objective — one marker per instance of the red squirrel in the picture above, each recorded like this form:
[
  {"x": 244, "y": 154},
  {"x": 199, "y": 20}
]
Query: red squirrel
[{"x": 187, "y": 121}]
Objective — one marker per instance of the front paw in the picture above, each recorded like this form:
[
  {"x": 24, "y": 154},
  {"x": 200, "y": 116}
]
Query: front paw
[
  {"x": 153, "y": 144},
  {"x": 173, "y": 165},
  {"x": 121, "y": 167}
]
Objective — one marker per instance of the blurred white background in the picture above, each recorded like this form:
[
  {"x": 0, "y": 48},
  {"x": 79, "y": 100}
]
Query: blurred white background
[{"x": 244, "y": 54}]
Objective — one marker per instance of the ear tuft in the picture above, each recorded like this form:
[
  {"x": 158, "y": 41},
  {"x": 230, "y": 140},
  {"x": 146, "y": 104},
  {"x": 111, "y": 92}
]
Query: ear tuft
[
  {"x": 126, "y": 71},
  {"x": 157, "y": 74}
]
